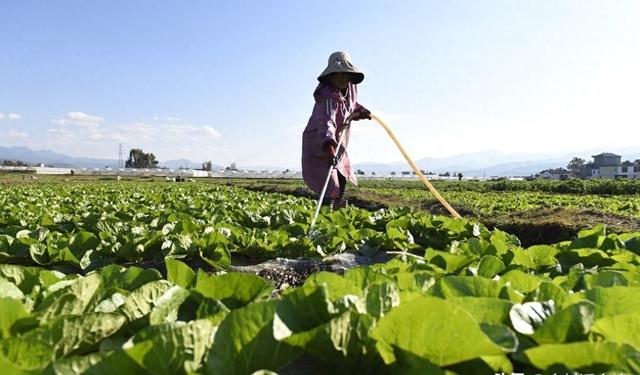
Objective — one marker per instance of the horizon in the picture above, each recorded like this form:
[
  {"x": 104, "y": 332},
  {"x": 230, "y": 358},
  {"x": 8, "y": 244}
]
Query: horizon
[
  {"x": 530, "y": 77},
  {"x": 553, "y": 160}
]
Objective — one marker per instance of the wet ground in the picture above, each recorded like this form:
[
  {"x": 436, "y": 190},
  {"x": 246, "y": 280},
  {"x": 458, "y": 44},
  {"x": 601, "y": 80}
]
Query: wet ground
[{"x": 294, "y": 272}]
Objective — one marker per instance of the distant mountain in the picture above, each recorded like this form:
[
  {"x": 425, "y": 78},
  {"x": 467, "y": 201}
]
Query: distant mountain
[
  {"x": 489, "y": 163},
  {"x": 475, "y": 160},
  {"x": 494, "y": 163},
  {"x": 52, "y": 158},
  {"x": 526, "y": 168},
  {"x": 55, "y": 159},
  {"x": 486, "y": 163}
]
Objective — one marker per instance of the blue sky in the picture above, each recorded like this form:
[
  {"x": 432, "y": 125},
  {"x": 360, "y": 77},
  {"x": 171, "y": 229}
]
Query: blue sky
[{"x": 232, "y": 81}]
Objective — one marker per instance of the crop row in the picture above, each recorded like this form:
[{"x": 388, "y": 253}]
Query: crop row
[
  {"x": 89, "y": 225},
  {"x": 598, "y": 186},
  {"x": 482, "y": 198},
  {"x": 483, "y": 305},
  {"x": 491, "y": 202}
]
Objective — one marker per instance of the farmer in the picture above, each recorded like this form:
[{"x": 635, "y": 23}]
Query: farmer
[{"x": 335, "y": 100}]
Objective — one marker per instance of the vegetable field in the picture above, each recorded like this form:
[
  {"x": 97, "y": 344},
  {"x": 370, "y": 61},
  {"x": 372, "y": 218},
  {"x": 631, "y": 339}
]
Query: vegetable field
[
  {"x": 537, "y": 211},
  {"x": 134, "y": 278},
  {"x": 497, "y": 197}
]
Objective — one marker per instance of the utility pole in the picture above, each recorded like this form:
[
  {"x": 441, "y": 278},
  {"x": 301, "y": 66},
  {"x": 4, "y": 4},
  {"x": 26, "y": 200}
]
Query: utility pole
[{"x": 120, "y": 152}]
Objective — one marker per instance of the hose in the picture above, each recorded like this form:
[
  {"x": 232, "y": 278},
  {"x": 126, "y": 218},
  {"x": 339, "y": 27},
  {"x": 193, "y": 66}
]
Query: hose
[{"x": 416, "y": 170}]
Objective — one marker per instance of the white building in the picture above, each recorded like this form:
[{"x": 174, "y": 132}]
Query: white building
[
  {"x": 627, "y": 170},
  {"x": 555, "y": 174}
]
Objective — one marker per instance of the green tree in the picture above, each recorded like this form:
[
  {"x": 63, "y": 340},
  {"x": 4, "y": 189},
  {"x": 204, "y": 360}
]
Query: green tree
[
  {"x": 140, "y": 159},
  {"x": 207, "y": 166},
  {"x": 14, "y": 163},
  {"x": 576, "y": 164}
]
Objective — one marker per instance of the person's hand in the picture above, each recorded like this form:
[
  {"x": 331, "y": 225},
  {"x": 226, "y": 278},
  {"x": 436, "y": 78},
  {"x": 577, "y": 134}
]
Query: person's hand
[{"x": 363, "y": 114}]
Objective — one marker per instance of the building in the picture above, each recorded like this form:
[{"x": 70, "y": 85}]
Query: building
[
  {"x": 608, "y": 165},
  {"x": 606, "y": 159},
  {"x": 590, "y": 171},
  {"x": 627, "y": 170},
  {"x": 555, "y": 174}
]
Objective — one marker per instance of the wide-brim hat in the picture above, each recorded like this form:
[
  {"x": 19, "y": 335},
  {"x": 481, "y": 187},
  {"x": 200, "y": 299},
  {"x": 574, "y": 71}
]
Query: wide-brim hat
[{"x": 340, "y": 62}]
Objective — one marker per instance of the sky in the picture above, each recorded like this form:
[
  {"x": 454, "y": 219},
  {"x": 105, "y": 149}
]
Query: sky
[{"x": 232, "y": 81}]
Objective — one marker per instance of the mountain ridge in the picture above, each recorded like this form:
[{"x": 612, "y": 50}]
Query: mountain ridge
[
  {"x": 57, "y": 159},
  {"x": 483, "y": 163}
]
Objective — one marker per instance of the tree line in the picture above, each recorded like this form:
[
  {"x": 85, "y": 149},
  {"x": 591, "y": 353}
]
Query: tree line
[
  {"x": 141, "y": 160},
  {"x": 14, "y": 163}
]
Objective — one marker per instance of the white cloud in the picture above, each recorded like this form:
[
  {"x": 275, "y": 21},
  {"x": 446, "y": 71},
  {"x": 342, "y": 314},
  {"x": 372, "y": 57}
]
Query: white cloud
[
  {"x": 168, "y": 131},
  {"x": 79, "y": 119},
  {"x": 86, "y": 135},
  {"x": 18, "y": 135},
  {"x": 78, "y": 128},
  {"x": 169, "y": 119},
  {"x": 211, "y": 132},
  {"x": 166, "y": 138},
  {"x": 172, "y": 140},
  {"x": 10, "y": 116}
]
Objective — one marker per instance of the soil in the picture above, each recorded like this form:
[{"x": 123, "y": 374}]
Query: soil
[
  {"x": 282, "y": 272},
  {"x": 294, "y": 272},
  {"x": 551, "y": 225},
  {"x": 292, "y": 276}
]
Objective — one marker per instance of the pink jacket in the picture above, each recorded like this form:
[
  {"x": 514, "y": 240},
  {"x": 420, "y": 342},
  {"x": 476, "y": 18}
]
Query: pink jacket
[{"x": 325, "y": 125}]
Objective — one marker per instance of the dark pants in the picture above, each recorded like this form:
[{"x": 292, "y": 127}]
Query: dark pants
[{"x": 342, "y": 182}]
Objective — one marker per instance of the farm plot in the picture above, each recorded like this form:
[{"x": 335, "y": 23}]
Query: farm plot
[
  {"x": 489, "y": 198},
  {"x": 81, "y": 290},
  {"x": 533, "y": 210},
  {"x": 492, "y": 203},
  {"x": 474, "y": 307},
  {"x": 89, "y": 225}
]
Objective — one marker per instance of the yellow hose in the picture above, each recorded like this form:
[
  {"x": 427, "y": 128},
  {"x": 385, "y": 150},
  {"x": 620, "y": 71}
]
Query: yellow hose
[{"x": 416, "y": 170}]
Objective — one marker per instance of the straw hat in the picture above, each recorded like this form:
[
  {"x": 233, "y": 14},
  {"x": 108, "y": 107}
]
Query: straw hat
[{"x": 340, "y": 62}]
